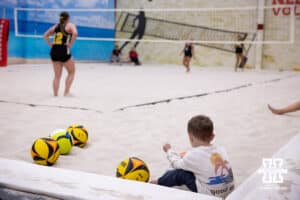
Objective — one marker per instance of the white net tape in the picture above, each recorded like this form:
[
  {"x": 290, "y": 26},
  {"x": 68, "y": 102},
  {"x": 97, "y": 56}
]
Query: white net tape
[{"x": 216, "y": 27}]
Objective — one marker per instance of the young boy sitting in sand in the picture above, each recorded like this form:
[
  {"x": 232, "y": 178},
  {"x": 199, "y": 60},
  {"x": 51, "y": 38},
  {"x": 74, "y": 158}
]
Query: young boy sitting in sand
[{"x": 203, "y": 169}]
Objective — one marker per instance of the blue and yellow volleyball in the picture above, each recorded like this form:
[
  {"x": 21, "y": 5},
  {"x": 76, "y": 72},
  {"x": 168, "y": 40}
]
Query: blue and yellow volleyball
[
  {"x": 133, "y": 169},
  {"x": 79, "y": 133}
]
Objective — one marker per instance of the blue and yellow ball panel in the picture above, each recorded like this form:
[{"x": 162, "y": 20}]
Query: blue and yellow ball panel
[
  {"x": 133, "y": 169},
  {"x": 45, "y": 151},
  {"x": 80, "y": 135}
]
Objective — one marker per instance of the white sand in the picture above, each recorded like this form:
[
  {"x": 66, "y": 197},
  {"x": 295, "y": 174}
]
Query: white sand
[{"x": 242, "y": 122}]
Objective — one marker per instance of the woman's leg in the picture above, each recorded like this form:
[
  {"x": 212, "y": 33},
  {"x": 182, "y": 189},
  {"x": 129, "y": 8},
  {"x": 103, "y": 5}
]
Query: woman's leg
[
  {"x": 57, "y": 67},
  {"x": 242, "y": 60},
  {"x": 188, "y": 61},
  {"x": 290, "y": 108},
  {"x": 237, "y": 63},
  {"x": 70, "y": 67},
  {"x": 184, "y": 61}
]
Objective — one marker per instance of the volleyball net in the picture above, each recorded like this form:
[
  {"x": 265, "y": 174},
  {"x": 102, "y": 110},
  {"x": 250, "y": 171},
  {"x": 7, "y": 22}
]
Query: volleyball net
[
  {"x": 212, "y": 27},
  {"x": 174, "y": 31}
]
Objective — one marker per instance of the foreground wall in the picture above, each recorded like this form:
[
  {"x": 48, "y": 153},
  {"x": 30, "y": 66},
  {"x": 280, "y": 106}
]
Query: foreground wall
[
  {"x": 75, "y": 185},
  {"x": 254, "y": 188}
]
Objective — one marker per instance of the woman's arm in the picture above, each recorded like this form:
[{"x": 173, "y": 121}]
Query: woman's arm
[
  {"x": 47, "y": 34},
  {"x": 182, "y": 51},
  {"x": 193, "y": 51},
  {"x": 71, "y": 28}
]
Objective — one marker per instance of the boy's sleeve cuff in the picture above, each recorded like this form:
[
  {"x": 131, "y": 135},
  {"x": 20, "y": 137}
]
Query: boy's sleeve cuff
[{"x": 170, "y": 152}]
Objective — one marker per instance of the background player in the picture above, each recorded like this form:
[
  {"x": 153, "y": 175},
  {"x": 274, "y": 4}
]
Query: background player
[
  {"x": 188, "y": 52},
  {"x": 239, "y": 49},
  {"x": 65, "y": 34}
]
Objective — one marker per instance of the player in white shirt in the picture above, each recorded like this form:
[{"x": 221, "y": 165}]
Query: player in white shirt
[{"x": 203, "y": 169}]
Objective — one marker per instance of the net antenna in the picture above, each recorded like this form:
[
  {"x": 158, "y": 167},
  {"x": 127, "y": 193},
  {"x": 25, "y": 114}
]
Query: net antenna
[{"x": 212, "y": 27}]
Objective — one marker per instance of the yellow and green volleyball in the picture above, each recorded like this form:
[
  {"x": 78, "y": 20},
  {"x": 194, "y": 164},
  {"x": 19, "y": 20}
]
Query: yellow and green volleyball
[
  {"x": 45, "y": 151},
  {"x": 79, "y": 134},
  {"x": 64, "y": 139},
  {"x": 133, "y": 169}
]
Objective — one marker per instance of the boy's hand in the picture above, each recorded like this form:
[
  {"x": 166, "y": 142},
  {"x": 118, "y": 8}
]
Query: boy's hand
[{"x": 166, "y": 147}]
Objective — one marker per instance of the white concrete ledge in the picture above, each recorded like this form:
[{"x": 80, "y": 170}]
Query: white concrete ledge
[
  {"x": 254, "y": 188},
  {"x": 75, "y": 185}
]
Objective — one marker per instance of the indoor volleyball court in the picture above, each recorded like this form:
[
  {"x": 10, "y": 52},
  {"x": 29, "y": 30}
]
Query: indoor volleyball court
[{"x": 126, "y": 112}]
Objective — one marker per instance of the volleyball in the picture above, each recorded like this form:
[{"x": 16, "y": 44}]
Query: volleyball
[
  {"x": 133, "y": 169},
  {"x": 79, "y": 133},
  {"x": 45, "y": 151},
  {"x": 64, "y": 139}
]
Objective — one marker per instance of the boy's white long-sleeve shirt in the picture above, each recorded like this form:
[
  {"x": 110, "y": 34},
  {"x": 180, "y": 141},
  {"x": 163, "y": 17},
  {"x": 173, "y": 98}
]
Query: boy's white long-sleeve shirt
[{"x": 210, "y": 166}]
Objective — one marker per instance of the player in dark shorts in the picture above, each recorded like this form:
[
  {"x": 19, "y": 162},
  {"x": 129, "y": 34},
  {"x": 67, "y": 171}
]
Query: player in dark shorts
[
  {"x": 239, "y": 50},
  {"x": 188, "y": 52},
  {"x": 65, "y": 34}
]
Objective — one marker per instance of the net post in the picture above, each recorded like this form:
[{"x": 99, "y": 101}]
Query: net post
[
  {"x": 16, "y": 21},
  {"x": 260, "y": 34}
]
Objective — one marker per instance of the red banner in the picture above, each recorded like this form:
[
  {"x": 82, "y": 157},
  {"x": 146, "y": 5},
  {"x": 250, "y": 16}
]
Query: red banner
[
  {"x": 4, "y": 30},
  {"x": 286, "y": 11}
]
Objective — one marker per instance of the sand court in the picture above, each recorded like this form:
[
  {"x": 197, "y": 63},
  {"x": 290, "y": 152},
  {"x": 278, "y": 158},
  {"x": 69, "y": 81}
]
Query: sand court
[{"x": 236, "y": 102}]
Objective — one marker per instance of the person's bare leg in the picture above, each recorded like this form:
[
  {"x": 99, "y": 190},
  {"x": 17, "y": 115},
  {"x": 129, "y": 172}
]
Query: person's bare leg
[
  {"x": 188, "y": 61},
  {"x": 57, "y": 67},
  {"x": 242, "y": 58},
  {"x": 237, "y": 62},
  {"x": 290, "y": 108},
  {"x": 184, "y": 62},
  {"x": 70, "y": 67}
]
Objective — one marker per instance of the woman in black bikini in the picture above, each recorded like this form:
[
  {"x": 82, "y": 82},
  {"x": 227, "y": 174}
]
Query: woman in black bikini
[
  {"x": 239, "y": 49},
  {"x": 65, "y": 34},
  {"x": 188, "y": 52}
]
